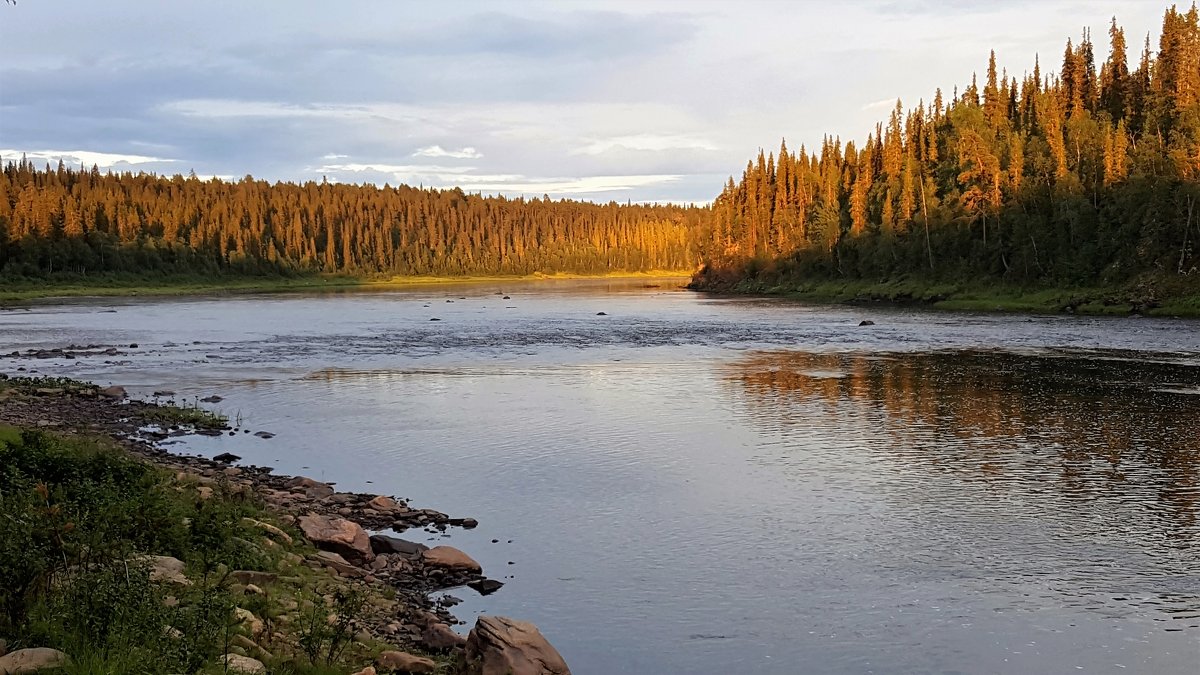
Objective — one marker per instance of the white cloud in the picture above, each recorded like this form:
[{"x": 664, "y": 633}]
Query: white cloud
[
  {"x": 438, "y": 151},
  {"x": 648, "y": 142},
  {"x": 334, "y": 155},
  {"x": 466, "y": 178},
  {"x": 881, "y": 104},
  {"x": 85, "y": 158}
]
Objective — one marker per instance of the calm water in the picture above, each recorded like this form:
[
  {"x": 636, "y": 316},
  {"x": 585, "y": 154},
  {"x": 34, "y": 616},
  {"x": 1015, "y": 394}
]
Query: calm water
[{"x": 707, "y": 486}]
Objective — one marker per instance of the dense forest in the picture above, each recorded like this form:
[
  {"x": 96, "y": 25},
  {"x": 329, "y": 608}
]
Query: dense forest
[
  {"x": 65, "y": 223},
  {"x": 1087, "y": 176}
]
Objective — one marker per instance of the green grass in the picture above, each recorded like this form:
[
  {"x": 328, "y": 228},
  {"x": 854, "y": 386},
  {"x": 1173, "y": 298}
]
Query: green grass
[
  {"x": 79, "y": 516},
  {"x": 992, "y": 298},
  {"x": 186, "y": 416}
]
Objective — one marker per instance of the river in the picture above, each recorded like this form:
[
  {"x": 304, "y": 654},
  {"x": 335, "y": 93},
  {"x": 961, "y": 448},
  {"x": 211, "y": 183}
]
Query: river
[{"x": 701, "y": 485}]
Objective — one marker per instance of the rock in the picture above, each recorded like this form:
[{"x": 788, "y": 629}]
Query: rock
[
  {"x": 382, "y": 503},
  {"x": 226, "y": 458},
  {"x": 211, "y": 399},
  {"x": 403, "y": 662},
  {"x": 601, "y": 313},
  {"x": 133, "y": 345},
  {"x": 502, "y": 646},
  {"x": 168, "y": 570},
  {"x": 32, "y": 660},
  {"x": 254, "y": 577},
  {"x": 269, "y": 529},
  {"x": 440, "y": 637},
  {"x": 485, "y": 586},
  {"x": 204, "y": 492},
  {"x": 338, "y": 564},
  {"x": 3, "y": 647},
  {"x": 448, "y": 557},
  {"x": 235, "y": 663},
  {"x": 113, "y": 392},
  {"x": 337, "y": 535},
  {"x": 264, "y": 434},
  {"x": 866, "y": 322},
  {"x": 251, "y": 589},
  {"x": 369, "y": 670},
  {"x": 470, "y": 523},
  {"x": 382, "y": 543},
  {"x": 247, "y": 619}
]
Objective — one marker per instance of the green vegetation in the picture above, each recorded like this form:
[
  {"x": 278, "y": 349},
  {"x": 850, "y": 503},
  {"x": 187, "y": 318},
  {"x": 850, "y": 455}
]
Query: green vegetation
[
  {"x": 1085, "y": 179},
  {"x": 968, "y": 297},
  {"x": 81, "y": 520}
]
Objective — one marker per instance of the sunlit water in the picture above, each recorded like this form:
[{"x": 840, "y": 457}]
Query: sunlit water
[{"x": 701, "y": 485}]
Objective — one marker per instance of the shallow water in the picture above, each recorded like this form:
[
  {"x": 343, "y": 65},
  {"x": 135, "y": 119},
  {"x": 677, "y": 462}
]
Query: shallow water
[{"x": 707, "y": 485}]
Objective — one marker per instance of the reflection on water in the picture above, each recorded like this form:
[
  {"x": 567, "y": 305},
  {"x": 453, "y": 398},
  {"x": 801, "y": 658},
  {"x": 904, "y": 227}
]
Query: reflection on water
[{"x": 1083, "y": 469}]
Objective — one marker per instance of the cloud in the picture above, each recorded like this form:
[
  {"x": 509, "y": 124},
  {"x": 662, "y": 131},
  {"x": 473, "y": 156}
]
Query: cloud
[
  {"x": 881, "y": 104},
  {"x": 87, "y": 158},
  {"x": 645, "y": 142},
  {"x": 467, "y": 178},
  {"x": 334, "y": 155},
  {"x": 438, "y": 151}
]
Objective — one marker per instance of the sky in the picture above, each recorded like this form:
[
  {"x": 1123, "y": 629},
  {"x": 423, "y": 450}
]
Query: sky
[{"x": 647, "y": 101}]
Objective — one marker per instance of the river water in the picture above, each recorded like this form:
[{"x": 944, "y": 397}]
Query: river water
[{"x": 702, "y": 485}]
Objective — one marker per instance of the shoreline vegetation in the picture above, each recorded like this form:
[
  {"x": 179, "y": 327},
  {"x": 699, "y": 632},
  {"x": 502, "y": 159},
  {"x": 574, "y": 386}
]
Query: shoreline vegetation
[
  {"x": 949, "y": 296},
  {"x": 122, "y": 558},
  {"x": 18, "y": 292}
]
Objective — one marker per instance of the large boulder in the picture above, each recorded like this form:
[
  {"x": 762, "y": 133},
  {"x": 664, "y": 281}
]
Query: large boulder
[
  {"x": 31, "y": 661},
  {"x": 403, "y": 662},
  {"x": 441, "y": 637},
  {"x": 113, "y": 392},
  {"x": 502, "y": 646},
  {"x": 338, "y": 535},
  {"x": 450, "y": 558},
  {"x": 168, "y": 570},
  {"x": 382, "y": 543}
]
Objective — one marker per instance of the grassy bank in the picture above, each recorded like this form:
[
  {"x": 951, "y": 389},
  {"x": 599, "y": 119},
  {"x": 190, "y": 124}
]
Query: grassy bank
[
  {"x": 23, "y": 291},
  {"x": 130, "y": 569},
  {"x": 1173, "y": 302}
]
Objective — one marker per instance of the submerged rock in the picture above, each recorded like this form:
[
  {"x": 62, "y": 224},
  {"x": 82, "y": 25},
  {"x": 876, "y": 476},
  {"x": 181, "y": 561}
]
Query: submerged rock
[
  {"x": 502, "y": 646},
  {"x": 866, "y": 322},
  {"x": 226, "y": 458},
  {"x": 485, "y": 586}
]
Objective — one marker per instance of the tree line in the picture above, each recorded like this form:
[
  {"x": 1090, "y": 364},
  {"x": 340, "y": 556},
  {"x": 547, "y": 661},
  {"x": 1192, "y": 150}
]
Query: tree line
[
  {"x": 63, "y": 222},
  {"x": 1088, "y": 175}
]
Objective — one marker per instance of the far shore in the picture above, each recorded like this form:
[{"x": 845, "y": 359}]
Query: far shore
[
  {"x": 28, "y": 291},
  {"x": 1098, "y": 301}
]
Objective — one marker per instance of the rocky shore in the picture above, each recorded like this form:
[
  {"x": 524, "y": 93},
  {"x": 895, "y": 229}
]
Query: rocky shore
[{"x": 334, "y": 528}]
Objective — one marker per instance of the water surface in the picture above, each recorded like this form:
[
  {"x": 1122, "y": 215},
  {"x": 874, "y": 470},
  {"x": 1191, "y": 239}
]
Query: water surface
[{"x": 690, "y": 484}]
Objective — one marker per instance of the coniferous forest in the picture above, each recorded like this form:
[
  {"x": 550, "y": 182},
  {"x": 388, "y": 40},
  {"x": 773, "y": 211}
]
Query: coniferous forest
[
  {"x": 1090, "y": 175},
  {"x": 1084, "y": 172}
]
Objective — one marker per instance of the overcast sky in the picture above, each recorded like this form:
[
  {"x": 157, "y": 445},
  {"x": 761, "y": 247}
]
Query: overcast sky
[{"x": 642, "y": 101}]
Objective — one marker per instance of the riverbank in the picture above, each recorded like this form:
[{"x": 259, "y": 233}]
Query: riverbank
[
  {"x": 28, "y": 291},
  {"x": 1176, "y": 301},
  {"x": 121, "y": 557}
]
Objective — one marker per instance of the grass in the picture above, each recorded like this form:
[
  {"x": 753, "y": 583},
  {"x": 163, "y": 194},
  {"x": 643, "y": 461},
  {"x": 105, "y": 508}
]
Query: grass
[
  {"x": 994, "y": 298},
  {"x": 16, "y": 292},
  {"x": 188, "y": 415},
  {"x": 79, "y": 517}
]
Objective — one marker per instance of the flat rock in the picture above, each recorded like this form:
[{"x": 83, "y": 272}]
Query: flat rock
[
  {"x": 226, "y": 458},
  {"x": 270, "y": 529},
  {"x": 235, "y": 663},
  {"x": 339, "y": 564},
  {"x": 448, "y": 557},
  {"x": 403, "y": 662},
  {"x": 502, "y": 646},
  {"x": 382, "y": 543},
  {"x": 31, "y": 660},
  {"x": 113, "y": 392},
  {"x": 337, "y": 535},
  {"x": 382, "y": 503},
  {"x": 440, "y": 637},
  {"x": 254, "y": 577}
]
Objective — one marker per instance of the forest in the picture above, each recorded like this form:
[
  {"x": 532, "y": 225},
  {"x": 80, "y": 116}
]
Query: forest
[
  {"x": 62, "y": 223},
  {"x": 1087, "y": 176}
]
